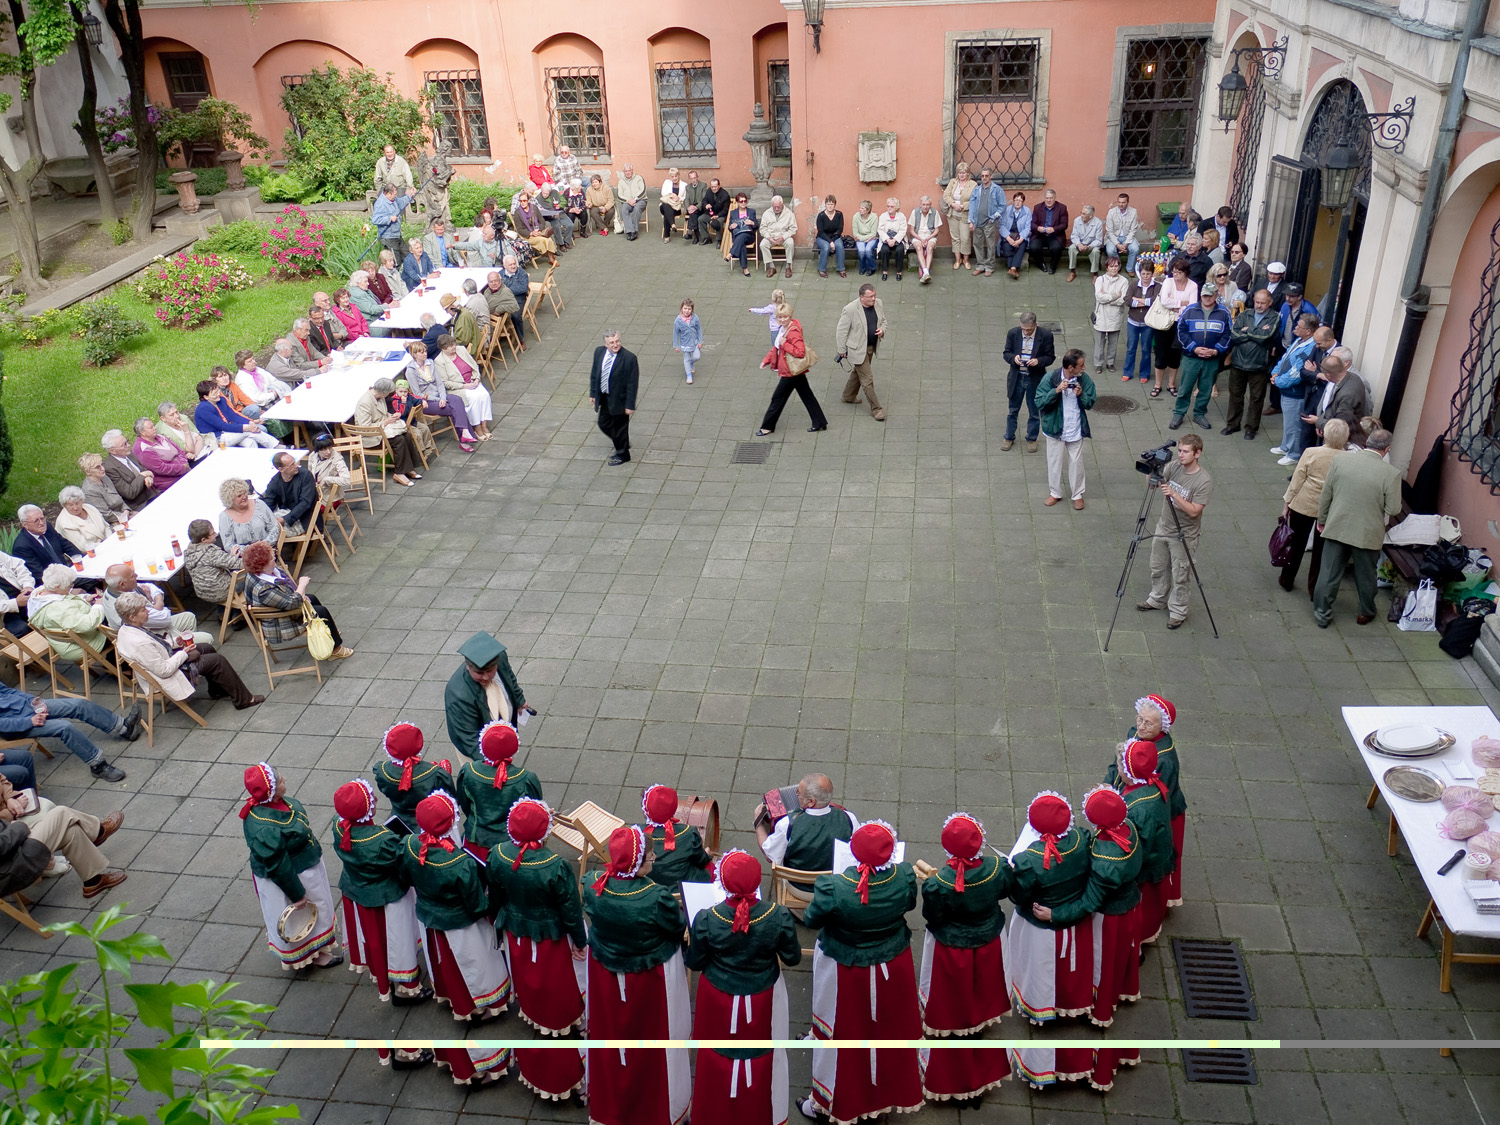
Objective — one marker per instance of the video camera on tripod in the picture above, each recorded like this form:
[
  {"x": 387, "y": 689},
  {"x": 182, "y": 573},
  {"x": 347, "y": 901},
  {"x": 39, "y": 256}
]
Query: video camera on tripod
[{"x": 1153, "y": 461}]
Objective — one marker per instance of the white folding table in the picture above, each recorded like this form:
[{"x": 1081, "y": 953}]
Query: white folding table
[
  {"x": 408, "y": 311},
  {"x": 330, "y": 396}
]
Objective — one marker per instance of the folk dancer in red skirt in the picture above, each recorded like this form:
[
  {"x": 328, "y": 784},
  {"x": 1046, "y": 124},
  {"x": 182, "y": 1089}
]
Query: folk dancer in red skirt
[
  {"x": 404, "y": 778},
  {"x": 740, "y": 946},
  {"x": 637, "y": 989},
  {"x": 962, "y": 983},
  {"x": 864, "y": 985},
  {"x": 1113, "y": 897},
  {"x": 477, "y": 1066},
  {"x": 1146, "y": 804},
  {"x": 489, "y": 785},
  {"x": 286, "y": 867},
  {"x": 537, "y": 913},
  {"x": 379, "y": 907},
  {"x": 466, "y": 965},
  {"x": 1154, "y": 717},
  {"x": 678, "y": 853},
  {"x": 1051, "y": 967}
]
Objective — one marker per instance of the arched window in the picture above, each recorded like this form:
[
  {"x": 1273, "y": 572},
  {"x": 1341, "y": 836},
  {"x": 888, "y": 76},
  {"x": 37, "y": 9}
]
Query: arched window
[
  {"x": 684, "y": 94},
  {"x": 573, "y": 75},
  {"x": 449, "y": 75}
]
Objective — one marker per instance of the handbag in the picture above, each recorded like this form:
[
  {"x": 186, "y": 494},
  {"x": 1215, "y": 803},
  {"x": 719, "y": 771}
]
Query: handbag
[
  {"x": 319, "y": 639},
  {"x": 1420, "y": 613},
  {"x": 801, "y": 365},
  {"x": 1281, "y": 543},
  {"x": 1160, "y": 317}
]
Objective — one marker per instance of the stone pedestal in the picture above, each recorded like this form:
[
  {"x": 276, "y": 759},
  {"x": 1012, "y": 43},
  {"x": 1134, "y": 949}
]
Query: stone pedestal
[
  {"x": 1487, "y": 649},
  {"x": 760, "y": 137},
  {"x": 187, "y": 191},
  {"x": 196, "y": 225},
  {"x": 234, "y": 175},
  {"x": 236, "y": 205}
]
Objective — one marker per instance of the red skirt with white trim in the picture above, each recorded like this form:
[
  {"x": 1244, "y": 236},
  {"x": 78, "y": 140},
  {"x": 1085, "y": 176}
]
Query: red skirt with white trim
[
  {"x": 468, "y": 970},
  {"x": 549, "y": 995},
  {"x": 871, "y": 1002},
  {"x": 750, "y": 1091},
  {"x": 1051, "y": 971},
  {"x": 467, "y": 1064},
  {"x": 1107, "y": 1063},
  {"x": 962, "y": 990},
  {"x": 638, "y": 1085},
  {"x": 1117, "y": 963},
  {"x": 1174, "y": 880},
  {"x": 1153, "y": 910},
  {"x": 383, "y": 941}
]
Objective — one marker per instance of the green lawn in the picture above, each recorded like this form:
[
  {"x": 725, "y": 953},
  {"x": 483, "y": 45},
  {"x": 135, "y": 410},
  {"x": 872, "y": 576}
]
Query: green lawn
[{"x": 58, "y": 408}]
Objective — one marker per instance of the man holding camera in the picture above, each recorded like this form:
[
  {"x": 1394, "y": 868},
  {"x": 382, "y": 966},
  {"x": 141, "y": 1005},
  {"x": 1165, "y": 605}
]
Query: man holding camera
[
  {"x": 1064, "y": 399},
  {"x": 1186, "y": 486},
  {"x": 1029, "y": 352}
]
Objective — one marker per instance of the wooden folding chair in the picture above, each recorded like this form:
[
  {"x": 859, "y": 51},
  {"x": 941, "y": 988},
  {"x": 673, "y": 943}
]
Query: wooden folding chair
[
  {"x": 234, "y": 603},
  {"x": 528, "y": 314},
  {"x": 752, "y": 250},
  {"x": 260, "y": 614},
  {"x": 16, "y": 905},
  {"x": 90, "y": 659},
  {"x": 154, "y": 694},
  {"x": 363, "y": 452},
  {"x": 485, "y": 353},
  {"x": 509, "y": 337},
  {"x": 552, "y": 292},
  {"x": 586, "y": 830},
  {"x": 334, "y": 513},
  {"x": 24, "y": 744},
  {"x": 312, "y": 533},
  {"x": 358, "y": 490},
  {"x": 437, "y": 424},
  {"x": 32, "y": 649},
  {"x": 784, "y": 888}
]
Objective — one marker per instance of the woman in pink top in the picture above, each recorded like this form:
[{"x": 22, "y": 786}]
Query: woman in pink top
[
  {"x": 1178, "y": 291},
  {"x": 349, "y": 316},
  {"x": 159, "y": 456}
]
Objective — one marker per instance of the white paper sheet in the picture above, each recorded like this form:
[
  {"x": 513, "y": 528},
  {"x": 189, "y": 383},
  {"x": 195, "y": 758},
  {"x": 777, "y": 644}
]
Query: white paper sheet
[
  {"x": 697, "y": 897},
  {"x": 843, "y": 855}
]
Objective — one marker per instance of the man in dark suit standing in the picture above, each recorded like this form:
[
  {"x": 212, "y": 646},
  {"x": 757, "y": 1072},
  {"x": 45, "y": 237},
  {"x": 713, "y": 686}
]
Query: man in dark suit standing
[
  {"x": 1028, "y": 350},
  {"x": 612, "y": 385}
]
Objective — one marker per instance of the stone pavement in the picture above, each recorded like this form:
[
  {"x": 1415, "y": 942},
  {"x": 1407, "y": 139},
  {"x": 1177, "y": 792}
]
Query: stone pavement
[{"x": 890, "y": 604}]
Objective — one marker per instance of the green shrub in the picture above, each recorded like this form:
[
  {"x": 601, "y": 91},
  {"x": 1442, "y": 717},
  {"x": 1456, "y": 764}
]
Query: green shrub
[
  {"x": 466, "y": 197},
  {"x": 211, "y": 181},
  {"x": 105, "y": 328},
  {"x": 242, "y": 237},
  {"x": 289, "y": 187},
  {"x": 48, "y": 323},
  {"x": 346, "y": 118},
  {"x": 7, "y": 451},
  {"x": 347, "y": 241},
  {"x": 120, "y": 231}
]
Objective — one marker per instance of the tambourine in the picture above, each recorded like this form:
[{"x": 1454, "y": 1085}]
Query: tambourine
[{"x": 292, "y": 930}]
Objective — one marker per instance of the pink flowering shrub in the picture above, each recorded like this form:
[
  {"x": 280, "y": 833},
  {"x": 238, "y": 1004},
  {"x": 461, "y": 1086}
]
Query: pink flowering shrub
[
  {"x": 294, "y": 246},
  {"x": 186, "y": 287}
]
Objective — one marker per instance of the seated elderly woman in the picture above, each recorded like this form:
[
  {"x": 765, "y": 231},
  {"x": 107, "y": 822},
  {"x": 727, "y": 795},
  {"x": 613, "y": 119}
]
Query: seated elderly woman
[
  {"x": 219, "y": 420},
  {"x": 349, "y": 315},
  {"x": 369, "y": 305},
  {"x": 328, "y": 466},
  {"x": 245, "y": 518},
  {"x": 179, "y": 664},
  {"x": 208, "y": 565},
  {"x": 373, "y": 409},
  {"x": 459, "y": 373},
  {"x": 171, "y": 424},
  {"x": 380, "y": 289},
  {"x": 390, "y": 273},
  {"x": 270, "y": 587},
  {"x": 80, "y": 523},
  {"x": 157, "y": 455},
  {"x": 577, "y": 207},
  {"x": 256, "y": 387},
  {"x": 57, "y": 605},
  {"x": 428, "y": 385},
  {"x": 418, "y": 265},
  {"x": 532, "y": 225},
  {"x": 100, "y": 491},
  {"x": 601, "y": 205}
]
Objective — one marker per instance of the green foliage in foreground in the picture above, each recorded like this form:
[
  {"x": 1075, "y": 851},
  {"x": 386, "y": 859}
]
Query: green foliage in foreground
[{"x": 55, "y": 1039}]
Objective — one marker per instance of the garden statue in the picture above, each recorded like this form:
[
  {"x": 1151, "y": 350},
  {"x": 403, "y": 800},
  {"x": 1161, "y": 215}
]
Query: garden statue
[{"x": 436, "y": 173}]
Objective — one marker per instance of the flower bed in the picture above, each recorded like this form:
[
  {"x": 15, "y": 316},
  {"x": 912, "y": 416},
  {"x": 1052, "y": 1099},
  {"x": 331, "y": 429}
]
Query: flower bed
[
  {"x": 294, "y": 246},
  {"x": 184, "y": 287}
]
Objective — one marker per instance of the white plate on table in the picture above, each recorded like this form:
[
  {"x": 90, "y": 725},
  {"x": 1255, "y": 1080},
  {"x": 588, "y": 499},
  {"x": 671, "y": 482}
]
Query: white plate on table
[{"x": 1413, "y": 740}]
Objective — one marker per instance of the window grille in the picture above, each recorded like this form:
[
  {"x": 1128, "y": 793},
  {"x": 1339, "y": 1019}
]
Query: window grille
[
  {"x": 458, "y": 111},
  {"x": 995, "y": 110},
  {"x": 779, "y": 93},
  {"x": 576, "y": 109},
  {"x": 1159, "y": 109},
  {"x": 291, "y": 82},
  {"x": 1474, "y": 430},
  {"x": 1247, "y": 140},
  {"x": 685, "y": 109}
]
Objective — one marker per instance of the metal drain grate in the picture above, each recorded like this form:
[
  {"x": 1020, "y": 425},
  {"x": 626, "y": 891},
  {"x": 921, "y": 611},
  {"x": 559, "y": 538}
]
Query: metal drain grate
[
  {"x": 1231, "y": 1068},
  {"x": 750, "y": 453},
  {"x": 1115, "y": 404},
  {"x": 1215, "y": 985}
]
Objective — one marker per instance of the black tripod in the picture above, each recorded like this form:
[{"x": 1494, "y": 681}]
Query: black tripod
[{"x": 1138, "y": 537}]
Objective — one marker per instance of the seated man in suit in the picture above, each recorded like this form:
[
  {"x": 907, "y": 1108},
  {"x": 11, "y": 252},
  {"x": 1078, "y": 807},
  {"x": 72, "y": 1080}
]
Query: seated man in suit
[
  {"x": 130, "y": 480},
  {"x": 804, "y": 837},
  {"x": 39, "y": 545},
  {"x": 120, "y": 579},
  {"x": 179, "y": 668},
  {"x": 290, "y": 365}
]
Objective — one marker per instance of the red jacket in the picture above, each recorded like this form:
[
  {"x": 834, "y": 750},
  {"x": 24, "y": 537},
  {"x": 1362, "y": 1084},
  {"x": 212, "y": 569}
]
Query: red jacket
[{"x": 792, "y": 345}]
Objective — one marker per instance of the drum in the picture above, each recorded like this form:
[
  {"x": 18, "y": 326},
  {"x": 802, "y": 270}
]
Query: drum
[{"x": 701, "y": 813}]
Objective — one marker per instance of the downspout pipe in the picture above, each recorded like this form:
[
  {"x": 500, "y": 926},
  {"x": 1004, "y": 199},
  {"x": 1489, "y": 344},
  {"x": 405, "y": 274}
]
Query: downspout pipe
[{"x": 1413, "y": 293}]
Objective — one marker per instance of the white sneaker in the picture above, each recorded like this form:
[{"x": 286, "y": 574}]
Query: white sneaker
[
  {"x": 1286, "y": 461},
  {"x": 1277, "y": 451},
  {"x": 689, "y": 378},
  {"x": 58, "y": 866},
  {"x": 809, "y": 1108}
]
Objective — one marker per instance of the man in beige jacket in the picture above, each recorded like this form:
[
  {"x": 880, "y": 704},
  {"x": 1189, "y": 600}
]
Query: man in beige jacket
[
  {"x": 1361, "y": 494},
  {"x": 861, "y": 328},
  {"x": 778, "y": 230}
]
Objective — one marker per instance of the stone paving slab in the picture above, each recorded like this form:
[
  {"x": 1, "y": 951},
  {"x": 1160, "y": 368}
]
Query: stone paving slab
[{"x": 890, "y": 604}]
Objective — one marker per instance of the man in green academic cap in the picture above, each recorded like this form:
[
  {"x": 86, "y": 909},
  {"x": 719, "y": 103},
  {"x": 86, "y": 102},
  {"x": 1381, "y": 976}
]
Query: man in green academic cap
[{"x": 482, "y": 689}]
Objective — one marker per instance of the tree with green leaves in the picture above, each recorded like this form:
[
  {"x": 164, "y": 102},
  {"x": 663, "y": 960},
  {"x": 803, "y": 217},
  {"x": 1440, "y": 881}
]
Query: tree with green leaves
[{"x": 346, "y": 118}]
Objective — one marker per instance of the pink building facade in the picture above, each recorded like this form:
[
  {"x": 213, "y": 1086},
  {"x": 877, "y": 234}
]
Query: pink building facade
[{"x": 1088, "y": 97}]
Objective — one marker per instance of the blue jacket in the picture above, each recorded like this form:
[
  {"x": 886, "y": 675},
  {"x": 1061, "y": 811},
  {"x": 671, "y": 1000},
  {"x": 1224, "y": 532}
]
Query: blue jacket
[
  {"x": 387, "y": 215},
  {"x": 687, "y": 336},
  {"x": 16, "y": 710},
  {"x": 414, "y": 269},
  {"x": 1198, "y": 327},
  {"x": 1289, "y": 375},
  {"x": 1014, "y": 220},
  {"x": 982, "y": 210},
  {"x": 218, "y": 418}
]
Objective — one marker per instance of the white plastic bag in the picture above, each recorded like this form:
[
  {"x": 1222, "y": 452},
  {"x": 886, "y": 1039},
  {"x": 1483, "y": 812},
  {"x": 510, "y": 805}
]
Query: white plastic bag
[
  {"x": 1420, "y": 614},
  {"x": 1415, "y": 531}
]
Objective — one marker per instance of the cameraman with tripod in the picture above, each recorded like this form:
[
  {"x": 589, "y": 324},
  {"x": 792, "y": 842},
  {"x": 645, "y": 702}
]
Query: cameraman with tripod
[{"x": 1186, "y": 487}]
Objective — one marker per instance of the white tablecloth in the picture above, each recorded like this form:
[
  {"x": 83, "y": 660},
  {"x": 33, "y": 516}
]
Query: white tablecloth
[
  {"x": 408, "y": 312},
  {"x": 195, "y": 496},
  {"x": 331, "y": 395},
  {"x": 1418, "y": 820}
]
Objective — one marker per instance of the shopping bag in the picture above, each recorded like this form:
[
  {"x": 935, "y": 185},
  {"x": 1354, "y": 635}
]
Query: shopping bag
[
  {"x": 1281, "y": 543},
  {"x": 319, "y": 639},
  {"x": 1420, "y": 614}
]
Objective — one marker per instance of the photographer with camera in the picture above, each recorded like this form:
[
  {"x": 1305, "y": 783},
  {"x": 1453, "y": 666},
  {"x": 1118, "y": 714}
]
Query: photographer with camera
[
  {"x": 1063, "y": 399},
  {"x": 1186, "y": 487}
]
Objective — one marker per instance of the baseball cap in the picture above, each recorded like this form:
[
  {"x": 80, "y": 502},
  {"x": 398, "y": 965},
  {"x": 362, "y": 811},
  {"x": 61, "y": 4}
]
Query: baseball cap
[
  {"x": 1294, "y": 289},
  {"x": 1208, "y": 289}
]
